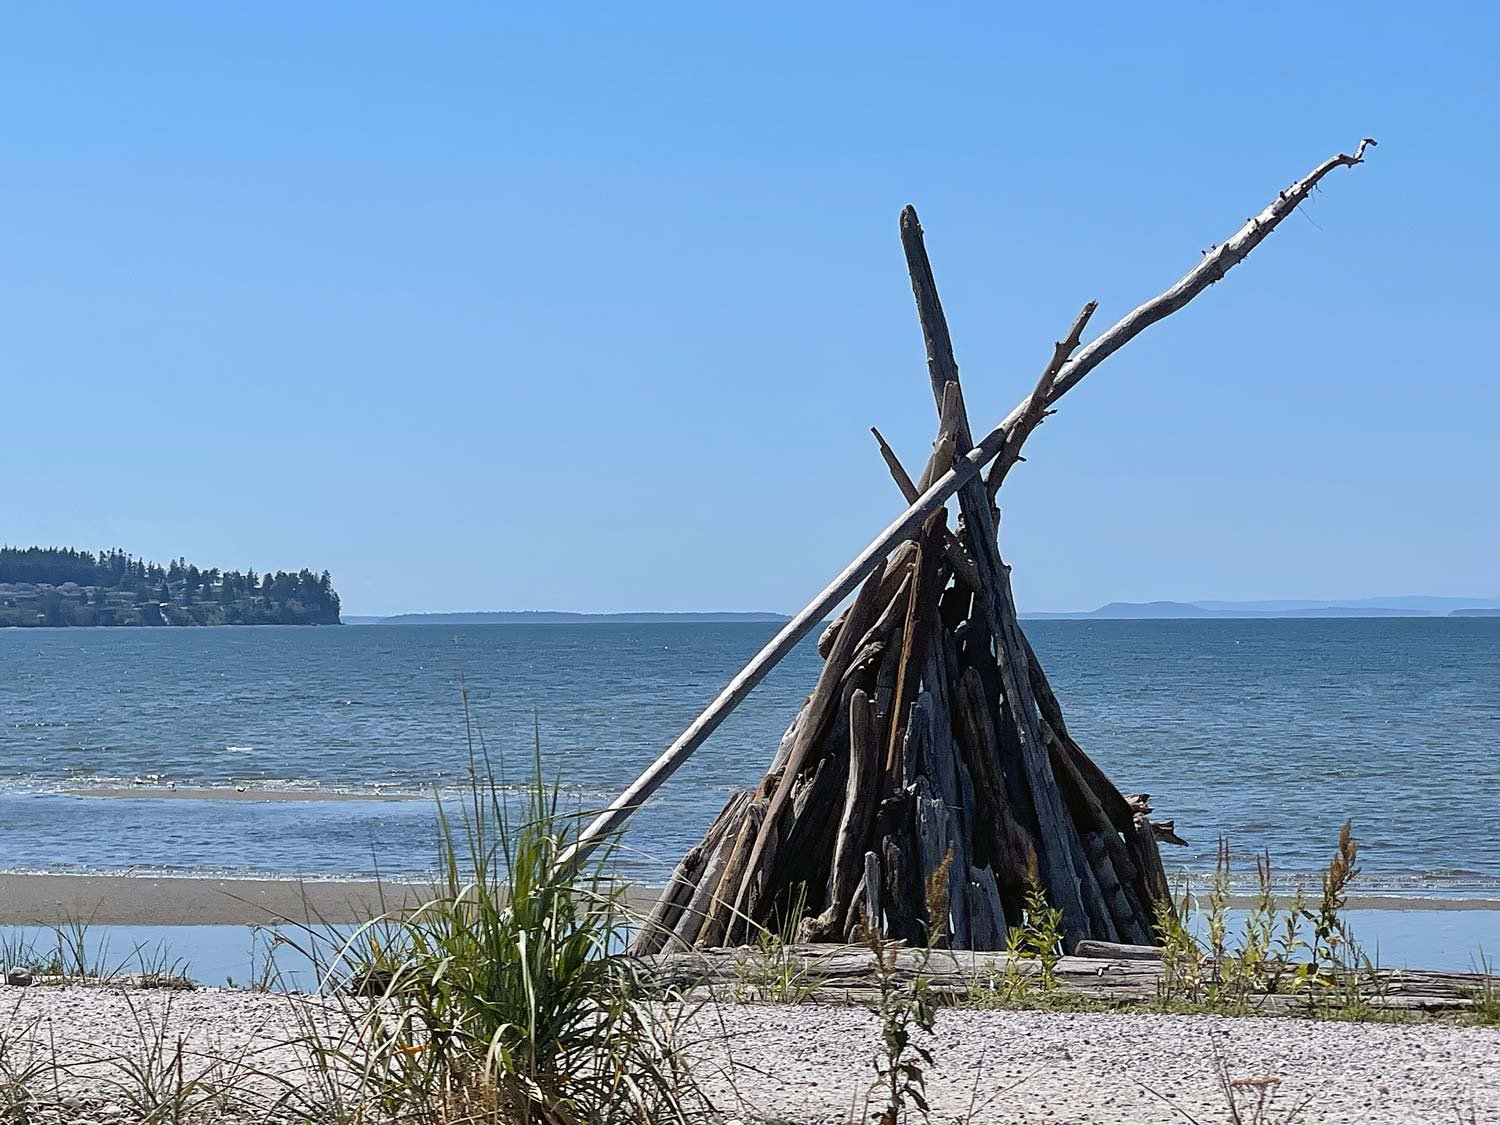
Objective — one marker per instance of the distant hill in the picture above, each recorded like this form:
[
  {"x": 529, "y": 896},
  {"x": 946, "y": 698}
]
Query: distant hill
[
  {"x": 59, "y": 586},
  {"x": 1421, "y": 604},
  {"x": 551, "y": 617},
  {"x": 1404, "y": 606},
  {"x": 1120, "y": 611}
]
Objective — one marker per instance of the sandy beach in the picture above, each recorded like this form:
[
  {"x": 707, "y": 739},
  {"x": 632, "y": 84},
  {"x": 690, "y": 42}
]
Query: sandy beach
[
  {"x": 144, "y": 900},
  {"x": 812, "y": 1065},
  {"x": 141, "y": 900},
  {"x": 130, "y": 900}
]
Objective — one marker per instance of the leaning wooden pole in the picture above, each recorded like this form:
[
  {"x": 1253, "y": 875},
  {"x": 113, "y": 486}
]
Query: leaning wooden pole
[
  {"x": 1072, "y": 885},
  {"x": 1214, "y": 265}
]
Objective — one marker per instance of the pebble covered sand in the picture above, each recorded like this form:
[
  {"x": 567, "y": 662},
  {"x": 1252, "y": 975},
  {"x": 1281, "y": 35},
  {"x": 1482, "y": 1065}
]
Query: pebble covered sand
[{"x": 813, "y": 1064}]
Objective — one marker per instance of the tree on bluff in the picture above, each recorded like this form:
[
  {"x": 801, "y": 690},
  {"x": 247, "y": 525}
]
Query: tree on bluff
[{"x": 290, "y": 598}]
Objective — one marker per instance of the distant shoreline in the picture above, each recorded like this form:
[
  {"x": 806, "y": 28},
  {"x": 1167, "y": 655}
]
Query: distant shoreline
[
  {"x": 559, "y": 617},
  {"x": 1414, "y": 606},
  {"x": 1405, "y": 606}
]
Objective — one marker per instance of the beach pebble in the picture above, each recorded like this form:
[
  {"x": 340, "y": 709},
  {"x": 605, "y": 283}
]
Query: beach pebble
[
  {"x": 19, "y": 977},
  {"x": 810, "y": 1063}
]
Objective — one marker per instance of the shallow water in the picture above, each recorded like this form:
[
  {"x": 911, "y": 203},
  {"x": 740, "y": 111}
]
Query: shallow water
[
  {"x": 1271, "y": 732},
  {"x": 1452, "y": 940}
]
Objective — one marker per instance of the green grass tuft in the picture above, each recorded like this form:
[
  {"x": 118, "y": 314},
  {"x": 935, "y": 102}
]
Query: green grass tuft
[{"x": 497, "y": 999}]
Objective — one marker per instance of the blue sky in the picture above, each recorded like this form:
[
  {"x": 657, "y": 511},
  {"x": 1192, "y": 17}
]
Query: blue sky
[{"x": 591, "y": 308}]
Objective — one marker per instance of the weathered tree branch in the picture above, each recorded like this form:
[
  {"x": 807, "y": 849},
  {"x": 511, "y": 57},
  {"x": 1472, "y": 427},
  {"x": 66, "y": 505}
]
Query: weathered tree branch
[
  {"x": 1215, "y": 264},
  {"x": 1035, "y": 408},
  {"x": 899, "y": 474}
]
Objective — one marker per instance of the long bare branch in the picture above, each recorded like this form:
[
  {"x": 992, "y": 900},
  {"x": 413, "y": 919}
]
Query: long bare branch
[{"x": 1215, "y": 264}]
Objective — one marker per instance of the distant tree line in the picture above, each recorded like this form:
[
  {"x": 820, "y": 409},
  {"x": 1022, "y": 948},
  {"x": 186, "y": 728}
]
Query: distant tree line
[{"x": 63, "y": 586}]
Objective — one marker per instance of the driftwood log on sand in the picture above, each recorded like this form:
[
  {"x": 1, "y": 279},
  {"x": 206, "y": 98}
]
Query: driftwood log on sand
[
  {"x": 930, "y": 779},
  {"x": 1115, "y": 974}
]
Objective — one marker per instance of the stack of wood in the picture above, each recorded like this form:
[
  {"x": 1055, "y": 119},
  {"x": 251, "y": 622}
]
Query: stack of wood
[
  {"x": 910, "y": 769},
  {"x": 930, "y": 781},
  {"x": 929, "y": 777}
]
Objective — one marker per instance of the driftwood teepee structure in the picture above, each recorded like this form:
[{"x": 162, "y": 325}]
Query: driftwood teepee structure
[{"x": 930, "y": 775}]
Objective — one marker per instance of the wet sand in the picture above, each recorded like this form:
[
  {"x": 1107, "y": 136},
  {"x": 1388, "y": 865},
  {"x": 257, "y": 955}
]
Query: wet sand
[
  {"x": 144, "y": 900},
  {"x": 140, "y": 900},
  {"x": 132, "y": 900}
]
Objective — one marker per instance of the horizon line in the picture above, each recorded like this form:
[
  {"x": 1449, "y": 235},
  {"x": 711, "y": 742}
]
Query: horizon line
[{"x": 1207, "y": 604}]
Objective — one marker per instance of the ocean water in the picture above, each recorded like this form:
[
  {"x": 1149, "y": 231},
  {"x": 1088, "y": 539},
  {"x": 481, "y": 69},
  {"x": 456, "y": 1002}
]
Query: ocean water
[
  {"x": 1453, "y": 940},
  {"x": 1269, "y": 732}
]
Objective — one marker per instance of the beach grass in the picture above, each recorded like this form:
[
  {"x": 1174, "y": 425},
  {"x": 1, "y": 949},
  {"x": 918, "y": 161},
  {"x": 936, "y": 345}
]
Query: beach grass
[
  {"x": 66, "y": 954},
  {"x": 1486, "y": 998},
  {"x": 1304, "y": 955},
  {"x": 500, "y": 998}
]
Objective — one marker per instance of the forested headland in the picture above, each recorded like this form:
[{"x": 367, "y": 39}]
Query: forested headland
[{"x": 56, "y": 586}]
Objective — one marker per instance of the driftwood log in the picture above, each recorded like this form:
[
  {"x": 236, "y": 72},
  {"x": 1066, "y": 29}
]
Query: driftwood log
[
  {"x": 929, "y": 781},
  {"x": 1114, "y": 974}
]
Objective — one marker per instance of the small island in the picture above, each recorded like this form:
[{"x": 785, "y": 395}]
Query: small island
[{"x": 55, "y": 586}]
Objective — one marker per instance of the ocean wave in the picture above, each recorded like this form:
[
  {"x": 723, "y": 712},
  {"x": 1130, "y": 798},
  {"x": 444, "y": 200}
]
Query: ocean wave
[
  {"x": 1373, "y": 882},
  {"x": 587, "y": 798}
]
